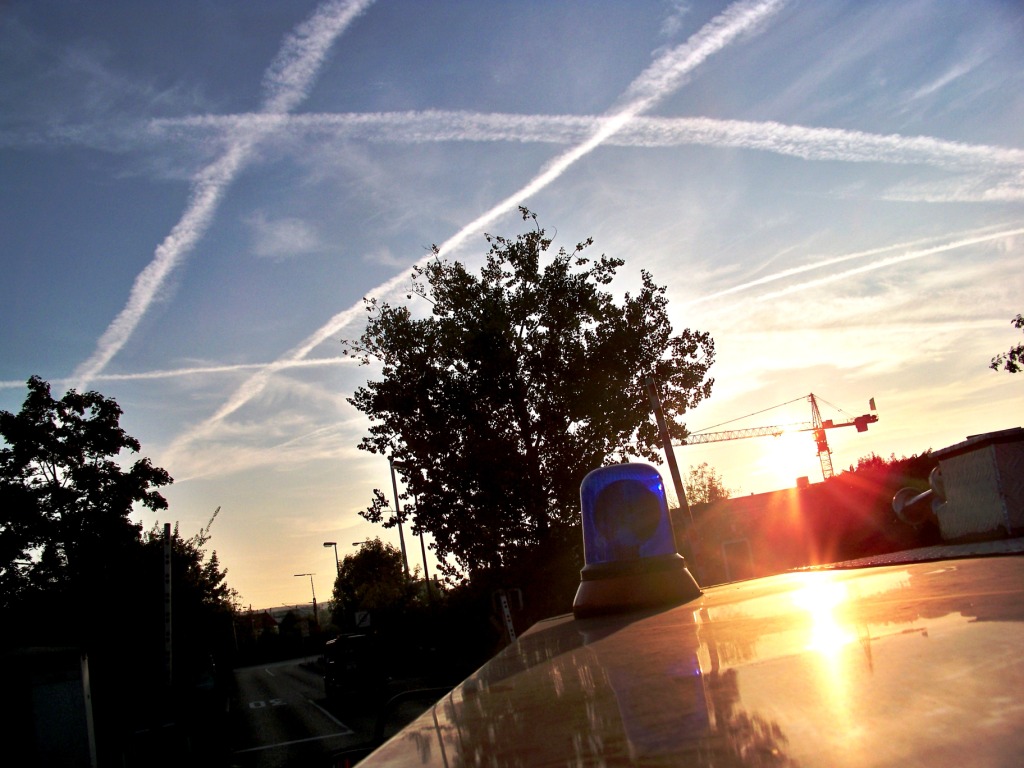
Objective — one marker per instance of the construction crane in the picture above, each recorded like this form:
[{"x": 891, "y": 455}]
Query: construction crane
[{"x": 816, "y": 425}]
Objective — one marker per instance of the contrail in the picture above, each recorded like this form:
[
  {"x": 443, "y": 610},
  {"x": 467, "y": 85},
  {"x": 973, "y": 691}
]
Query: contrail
[
  {"x": 435, "y": 126},
  {"x": 207, "y": 192},
  {"x": 294, "y": 361},
  {"x": 820, "y": 264},
  {"x": 887, "y": 262},
  {"x": 667, "y": 73},
  {"x": 285, "y": 84},
  {"x": 199, "y": 370}
]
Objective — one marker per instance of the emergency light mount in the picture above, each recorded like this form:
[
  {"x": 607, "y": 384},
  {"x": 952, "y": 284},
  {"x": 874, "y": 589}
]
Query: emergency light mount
[{"x": 628, "y": 542}]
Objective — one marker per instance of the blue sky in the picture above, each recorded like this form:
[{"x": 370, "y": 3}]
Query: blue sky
[{"x": 196, "y": 196}]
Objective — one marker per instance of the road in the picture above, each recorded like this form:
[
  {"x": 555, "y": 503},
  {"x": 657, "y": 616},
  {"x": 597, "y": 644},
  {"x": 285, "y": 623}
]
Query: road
[{"x": 281, "y": 718}]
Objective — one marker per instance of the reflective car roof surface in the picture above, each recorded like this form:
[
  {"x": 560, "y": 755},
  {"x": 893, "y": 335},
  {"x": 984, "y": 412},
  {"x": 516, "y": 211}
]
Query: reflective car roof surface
[{"x": 915, "y": 663}]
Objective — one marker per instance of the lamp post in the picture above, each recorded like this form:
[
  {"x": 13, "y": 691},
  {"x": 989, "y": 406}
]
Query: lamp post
[
  {"x": 337, "y": 564},
  {"x": 316, "y": 615}
]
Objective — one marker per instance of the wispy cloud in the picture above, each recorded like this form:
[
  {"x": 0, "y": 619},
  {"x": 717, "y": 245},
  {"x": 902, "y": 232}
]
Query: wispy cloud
[
  {"x": 666, "y": 74},
  {"x": 673, "y": 23},
  {"x": 384, "y": 257},
  {"x": 282, "y": 238},
  {"x": 254, "y": 446},
  {"x": 954, "y": 73},
  {"x": 286, "y": 83}
]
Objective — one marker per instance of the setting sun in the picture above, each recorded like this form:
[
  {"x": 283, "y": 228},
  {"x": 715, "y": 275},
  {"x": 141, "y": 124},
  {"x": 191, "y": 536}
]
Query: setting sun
[{"x": 787, "y": 457}]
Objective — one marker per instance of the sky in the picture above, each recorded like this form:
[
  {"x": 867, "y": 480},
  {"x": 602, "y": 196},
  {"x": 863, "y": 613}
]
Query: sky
[{"x": 195, "y": 197}]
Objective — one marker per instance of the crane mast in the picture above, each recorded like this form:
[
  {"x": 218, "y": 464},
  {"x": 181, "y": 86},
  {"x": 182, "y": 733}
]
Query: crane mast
[
  {"x": 817, "y": 426},
  {"x": 820, "y": 440}
]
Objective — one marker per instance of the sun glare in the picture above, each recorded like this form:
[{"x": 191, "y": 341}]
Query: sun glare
[
  {"x": 787, "y": 457},
  {"x": 820, "y": 599}
]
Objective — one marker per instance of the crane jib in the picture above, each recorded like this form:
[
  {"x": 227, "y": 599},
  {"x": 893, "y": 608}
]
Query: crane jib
[{"x": 816, "y": 425}]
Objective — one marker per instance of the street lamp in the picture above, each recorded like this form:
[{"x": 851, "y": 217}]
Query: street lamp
[
  {"x": 316, "y": 615},
  {"x": 337, "y": 565}
]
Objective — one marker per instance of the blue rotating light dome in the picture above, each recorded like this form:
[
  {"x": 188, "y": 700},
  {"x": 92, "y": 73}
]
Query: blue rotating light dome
[
  {"x": 628, "y": 542},
  {"x": 625, "y": 514}
]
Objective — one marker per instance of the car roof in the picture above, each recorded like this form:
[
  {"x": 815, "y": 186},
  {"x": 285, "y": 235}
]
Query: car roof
[{"x": 903, "y": 662}]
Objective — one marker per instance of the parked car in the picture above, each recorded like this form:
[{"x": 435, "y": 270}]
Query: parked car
[{"x": 352, "y": 669}]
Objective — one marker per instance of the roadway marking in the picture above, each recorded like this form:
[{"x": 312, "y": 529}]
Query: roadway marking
[
  {"x": 333, "y": 719},
  {"x": 263, "y": 704},
  {"x": 348, "y": 732}
]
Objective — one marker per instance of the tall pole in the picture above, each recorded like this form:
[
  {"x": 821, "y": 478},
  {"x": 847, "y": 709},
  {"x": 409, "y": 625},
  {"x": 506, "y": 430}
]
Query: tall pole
[
  {"x": 666, "y": 442},
  {"x": 168, "y": 637},
  {"x": 398, "y": 513},
  {"x": 423, "y": 551},
  {"x": 316, "y": 615},
  {"x": 423, "y": 546},
  {"x": 337, "y": 563}
]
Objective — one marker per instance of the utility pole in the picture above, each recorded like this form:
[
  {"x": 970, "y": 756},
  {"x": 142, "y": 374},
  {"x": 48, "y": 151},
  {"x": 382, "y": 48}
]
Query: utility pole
[
  {"x": 316, "y": 615},
  {"x": 398, "y": 514},
  {"x": 423, "y": 546},
  {"x": 168, "y": 636},
  {"x": 666, "y": 442}
]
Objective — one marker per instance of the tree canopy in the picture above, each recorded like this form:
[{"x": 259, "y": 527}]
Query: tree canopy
[
  {"x": 65, "y": 498},
  {"x": 197, "y": 571},
  {"x": 1013, "y": 360},
  {"x": 76, "y": 570},
  {"x": 704, "y": 485},
  {"x": 507, "y": 387},
  {"x": 371, "y": 579}
]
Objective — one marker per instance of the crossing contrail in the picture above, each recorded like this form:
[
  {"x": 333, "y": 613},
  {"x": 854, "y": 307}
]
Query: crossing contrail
[
  {"x": 433, "y": 126},
  {"x": 986, "y": 173},
  {"x": 285, "y": 84},
  {"x": 668, "y": 73}
]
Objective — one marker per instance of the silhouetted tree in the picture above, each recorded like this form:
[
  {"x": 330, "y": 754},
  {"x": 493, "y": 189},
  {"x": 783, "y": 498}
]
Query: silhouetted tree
[
  {"x": 909, "y": 469},
  {"x": 1013, "y": 360},
  {"x": 76, "y": 571},
  {"x": 517, "y": 383},
  {"x": 371, "y": 579},
  {"x": 203, "y": 605},
  {"x": 704, "y": 485},
  {"x": 65, "y": 528}
]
